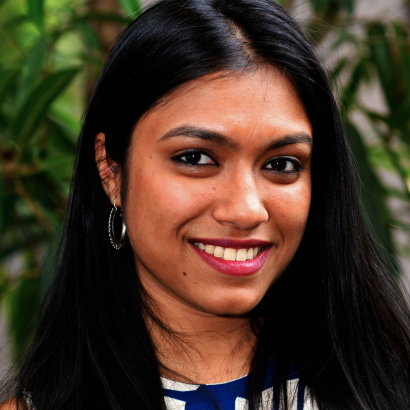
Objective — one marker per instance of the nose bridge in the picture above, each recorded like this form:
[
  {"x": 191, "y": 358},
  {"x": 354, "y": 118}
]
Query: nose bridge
[{"x": 240, "y": 203}]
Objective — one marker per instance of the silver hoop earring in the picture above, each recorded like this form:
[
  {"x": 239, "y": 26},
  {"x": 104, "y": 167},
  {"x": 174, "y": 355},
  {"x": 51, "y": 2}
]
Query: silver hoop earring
[{"x": 116, "y": 243}]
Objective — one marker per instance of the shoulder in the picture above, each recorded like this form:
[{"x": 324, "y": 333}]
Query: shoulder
[{"x": 12, "y": 405}]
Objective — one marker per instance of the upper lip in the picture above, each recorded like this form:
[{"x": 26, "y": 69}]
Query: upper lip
[{"x": 233, "y": 243}]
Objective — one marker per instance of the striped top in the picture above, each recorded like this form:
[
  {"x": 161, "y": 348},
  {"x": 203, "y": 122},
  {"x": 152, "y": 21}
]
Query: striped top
[{"x": 229, "y": 395}]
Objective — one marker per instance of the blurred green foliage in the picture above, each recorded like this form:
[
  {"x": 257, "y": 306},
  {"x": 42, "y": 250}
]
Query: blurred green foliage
[{"x": 51, "y": 53}]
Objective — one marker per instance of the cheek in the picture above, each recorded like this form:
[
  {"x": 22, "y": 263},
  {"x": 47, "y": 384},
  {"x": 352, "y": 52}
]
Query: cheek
[
  {"x": 289, "y": 209},
  {"x": 159, "y": 204}
]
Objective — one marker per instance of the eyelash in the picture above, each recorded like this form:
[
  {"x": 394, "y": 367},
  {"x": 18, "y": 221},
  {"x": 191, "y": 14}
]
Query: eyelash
[
  {"x": 297, "y": 165},
  {"x": 295, "y": 162},
  {"x": 186, "y": 163}
]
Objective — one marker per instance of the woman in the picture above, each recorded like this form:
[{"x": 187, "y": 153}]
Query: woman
[{"x": 241, "y": 274}]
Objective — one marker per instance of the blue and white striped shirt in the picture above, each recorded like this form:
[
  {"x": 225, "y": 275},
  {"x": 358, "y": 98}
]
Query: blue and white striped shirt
[{"x": 229, "y": 395}]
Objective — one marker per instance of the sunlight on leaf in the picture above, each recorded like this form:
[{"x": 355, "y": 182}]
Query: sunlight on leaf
[{"x": 131, "y": 7}]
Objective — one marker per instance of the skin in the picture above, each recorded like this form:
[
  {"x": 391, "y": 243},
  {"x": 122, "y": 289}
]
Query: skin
[
  {"x": 12, "y": 405},
  {"x": 237, "y": 193}
]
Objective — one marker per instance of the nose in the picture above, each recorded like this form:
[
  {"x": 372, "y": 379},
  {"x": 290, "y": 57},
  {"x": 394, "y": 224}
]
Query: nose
[{"x": 240, "y": 203}]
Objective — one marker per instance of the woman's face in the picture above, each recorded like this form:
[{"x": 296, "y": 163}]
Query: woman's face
[{"x": 223, "y": 164}]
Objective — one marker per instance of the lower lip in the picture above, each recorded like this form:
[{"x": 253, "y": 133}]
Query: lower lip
[{"x": 234, "y": 268}]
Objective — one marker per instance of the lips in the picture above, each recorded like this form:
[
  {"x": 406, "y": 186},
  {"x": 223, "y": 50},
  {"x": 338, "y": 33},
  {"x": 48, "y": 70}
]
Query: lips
[{"x": 257, "y": 251}]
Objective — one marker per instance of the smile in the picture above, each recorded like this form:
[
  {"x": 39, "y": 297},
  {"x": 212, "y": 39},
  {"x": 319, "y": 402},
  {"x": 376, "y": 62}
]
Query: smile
[
  {"x": 235, "y": 258},
  {"x": 229, "y": 254}
]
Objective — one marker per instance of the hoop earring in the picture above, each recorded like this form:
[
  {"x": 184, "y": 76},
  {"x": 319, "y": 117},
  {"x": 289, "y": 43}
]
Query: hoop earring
[{"x": 116, "y": 243}]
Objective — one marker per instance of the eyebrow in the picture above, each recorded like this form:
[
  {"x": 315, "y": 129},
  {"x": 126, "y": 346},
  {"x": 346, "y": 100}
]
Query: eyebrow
[
  {"x": 296, "y": 138},
  {"x": 220, "y": 139},
  {"x": 203, "y": 134}
]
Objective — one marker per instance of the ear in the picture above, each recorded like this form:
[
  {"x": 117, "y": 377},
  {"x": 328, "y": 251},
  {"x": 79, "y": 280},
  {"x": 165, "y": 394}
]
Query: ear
[{"x": 110, "y": 178}]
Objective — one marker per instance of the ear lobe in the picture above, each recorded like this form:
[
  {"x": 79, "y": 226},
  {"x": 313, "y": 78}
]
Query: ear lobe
[{"x": 106, "y": 168}]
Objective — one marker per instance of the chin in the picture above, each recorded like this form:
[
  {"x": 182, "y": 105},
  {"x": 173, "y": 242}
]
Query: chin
[{"x": 237, "y": 305}]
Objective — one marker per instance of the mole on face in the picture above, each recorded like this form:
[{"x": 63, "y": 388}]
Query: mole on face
[{"x": 184, "y": 273}]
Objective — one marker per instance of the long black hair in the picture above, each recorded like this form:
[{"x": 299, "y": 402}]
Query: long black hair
[{"x": 335, "y": 314}]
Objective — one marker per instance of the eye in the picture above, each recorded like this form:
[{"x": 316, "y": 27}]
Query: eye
[
  {"x": 283, "y": 165},
  {"x": 194, "y": 158}
]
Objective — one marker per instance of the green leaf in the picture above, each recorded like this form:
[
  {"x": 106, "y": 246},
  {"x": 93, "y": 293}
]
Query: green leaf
[
  {"x": 2, "y": 207},
  {"x": 358, "y": 74},
  {"x": 60, "y": 140},
  {"x": 8, "y": 79},
  {"x": 88, "y": 34},
  {"x": 92, "y": 60},
  {"x": 11, "y": 249},
  {"x": 348, "y": 5},
  {"x": 373, "y": 196},
  {"x": 52, "y": 163},
  {"x": 344, "y": 36},
  {"x": 72, "y": 124},
  {"x": 391, "y": 122},
  {"x": 36, "y": 12},
  {"x": 317, "y": 4},
  {"x": 105, "y": 17},
  {"x": 131, "y": 7},
  {"x": 394, "y": 158},
  {"x": 15, "y": 21},
  {"x": 403, "y": 44},
  {"x": 34, "y": 64},
  {"x": 384, "y": 62},
  {"x": 334, "y": 72},
  {"x": 36, "y": 104},
  {"x": 22, "y": 306},
  {"x": 397, "y": 193},
  {"x": 4, "y": 282}
]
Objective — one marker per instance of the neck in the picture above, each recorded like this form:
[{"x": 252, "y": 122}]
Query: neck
[{"x": 196, "y": 346}]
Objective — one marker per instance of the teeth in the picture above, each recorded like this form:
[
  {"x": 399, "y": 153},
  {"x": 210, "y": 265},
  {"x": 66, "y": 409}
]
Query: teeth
[
  {"x": 219, "y": 252},
  {"x": 241, "y": 255},
  {"x": 209, "y": 249},
  {"x": 229, "y": 254}
]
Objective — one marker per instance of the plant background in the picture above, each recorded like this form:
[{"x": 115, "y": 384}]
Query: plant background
[{"x": 51, "y": 52}]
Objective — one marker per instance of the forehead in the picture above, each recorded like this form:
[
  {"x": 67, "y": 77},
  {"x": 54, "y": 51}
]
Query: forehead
[{"x": 259, "y": 101}]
